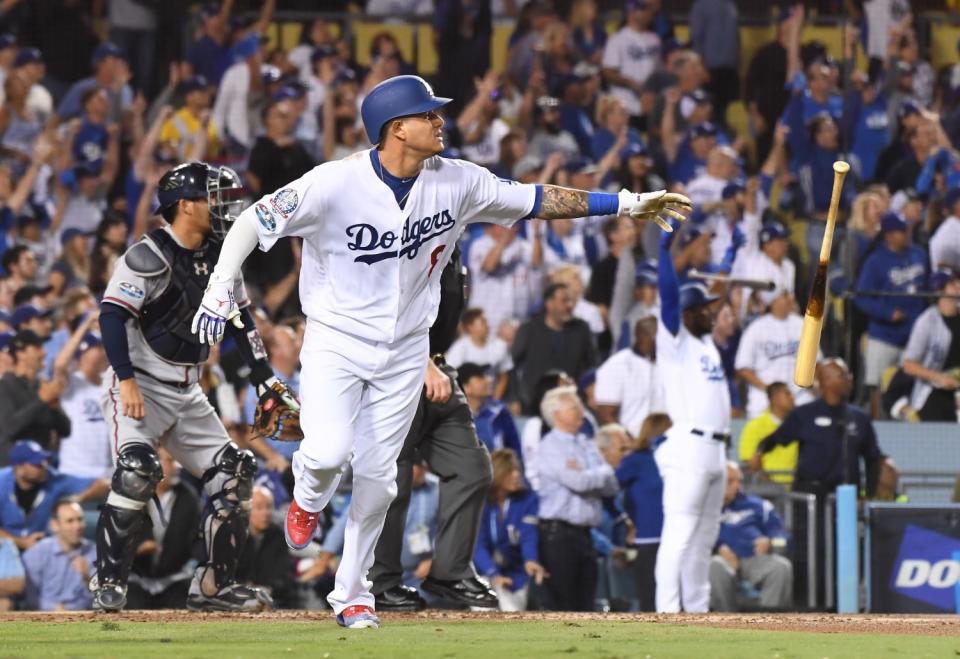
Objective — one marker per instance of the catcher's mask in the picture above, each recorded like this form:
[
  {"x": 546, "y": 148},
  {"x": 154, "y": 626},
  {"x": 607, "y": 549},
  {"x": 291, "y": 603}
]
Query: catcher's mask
[{"x": 219, "y": 186}]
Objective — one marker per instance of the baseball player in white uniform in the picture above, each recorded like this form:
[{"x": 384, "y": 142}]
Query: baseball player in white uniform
[
  {"x": 378, "y": 228},
  {"x": 692, "y": 460}
]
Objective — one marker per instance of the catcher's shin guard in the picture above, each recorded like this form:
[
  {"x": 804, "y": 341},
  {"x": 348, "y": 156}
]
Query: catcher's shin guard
[
  {"x": 134, "y": 481},
  {"x": 229, "y": 484}
]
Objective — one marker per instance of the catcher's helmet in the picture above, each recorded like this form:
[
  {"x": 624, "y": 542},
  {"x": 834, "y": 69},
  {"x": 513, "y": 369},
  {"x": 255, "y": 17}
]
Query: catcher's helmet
[
  {"x": 394, "y": 98},
  {"x": 219, "y": 186}
]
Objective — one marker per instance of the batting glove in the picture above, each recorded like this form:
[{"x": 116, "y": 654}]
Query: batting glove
[
  {"x": 217, "y": 308},
  {"x": 655, "y": 205}
]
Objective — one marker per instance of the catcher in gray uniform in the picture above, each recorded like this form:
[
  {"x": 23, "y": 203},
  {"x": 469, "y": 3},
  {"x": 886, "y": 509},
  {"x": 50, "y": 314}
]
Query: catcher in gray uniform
[{"x": 152, "y": 395}]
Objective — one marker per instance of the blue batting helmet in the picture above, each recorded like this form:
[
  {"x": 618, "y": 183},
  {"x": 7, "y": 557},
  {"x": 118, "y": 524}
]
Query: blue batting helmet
[
  {"x": 695, "y": 294},
  {"x": 394, "y": 98}
]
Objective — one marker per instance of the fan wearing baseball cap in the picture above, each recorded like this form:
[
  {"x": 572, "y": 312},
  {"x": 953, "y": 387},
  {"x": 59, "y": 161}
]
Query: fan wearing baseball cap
[
  {"x": 30, "y": 488},
  {"x": 29, "y": 408},
  {"x": 895, "y": 266}
]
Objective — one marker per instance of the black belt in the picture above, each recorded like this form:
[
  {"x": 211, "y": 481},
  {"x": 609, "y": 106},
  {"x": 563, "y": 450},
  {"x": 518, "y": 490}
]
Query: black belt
[
  {"x": 560, "y": 525},
  {"x": 175, "y": 385},
  {"x": 717, "y": 436}
]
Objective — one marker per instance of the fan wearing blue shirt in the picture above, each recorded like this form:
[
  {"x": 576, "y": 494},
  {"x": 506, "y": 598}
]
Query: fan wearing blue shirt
[
  {"x": 750, "y": 529},
  {"x": 29, "y": 489},
  {"x": 59, "y": 567},
  {"x": 895, "y": 266},
  {"x": 643, "y": 500},
  {"x": 507, "y": 552},
  {"x": 495, "y": 425}
]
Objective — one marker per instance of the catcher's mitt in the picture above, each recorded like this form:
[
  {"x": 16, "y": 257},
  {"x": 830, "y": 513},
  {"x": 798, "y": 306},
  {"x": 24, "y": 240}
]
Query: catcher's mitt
[{"x": 278, "y": 412}]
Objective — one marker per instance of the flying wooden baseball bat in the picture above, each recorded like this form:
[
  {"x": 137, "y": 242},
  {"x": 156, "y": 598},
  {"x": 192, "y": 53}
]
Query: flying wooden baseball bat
[
  {"x": 816, "y": 303},
  {"x": 745, "y": 282}
]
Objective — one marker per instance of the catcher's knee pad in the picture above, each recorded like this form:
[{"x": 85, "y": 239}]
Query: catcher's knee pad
[
  {"x": 229, "y": 485},
  {"x": 135, "y": 478},
  {"x": 229, "y": 482},
  {"x": 134, "y": 482}
]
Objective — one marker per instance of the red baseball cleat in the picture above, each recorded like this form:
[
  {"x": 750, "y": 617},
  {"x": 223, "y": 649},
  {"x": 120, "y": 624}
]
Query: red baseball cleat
[{"x": 300, "y": 527}]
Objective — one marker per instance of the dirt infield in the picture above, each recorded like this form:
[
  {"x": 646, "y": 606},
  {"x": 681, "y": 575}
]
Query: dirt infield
[{"x": 928, "y": 625}]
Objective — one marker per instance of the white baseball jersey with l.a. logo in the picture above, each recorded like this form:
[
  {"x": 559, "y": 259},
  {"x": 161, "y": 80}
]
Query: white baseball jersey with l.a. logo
[
  {"x": 694, "y": 384},
  {"x": 369, "y": 267}
]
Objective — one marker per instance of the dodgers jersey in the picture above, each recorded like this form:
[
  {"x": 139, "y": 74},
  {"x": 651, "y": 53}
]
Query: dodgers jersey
[
  {"x": 695, "y": 388},
  {"x": 769, "y": 347},
  {"x": 371, "y": 268}
]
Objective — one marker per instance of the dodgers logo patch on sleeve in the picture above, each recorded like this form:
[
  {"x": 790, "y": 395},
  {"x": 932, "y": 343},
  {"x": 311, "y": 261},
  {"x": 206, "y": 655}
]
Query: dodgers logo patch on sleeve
[
  {"x": 285, "y": 201},
  {"x": 130, "y": 290},
  {"x": 265, "y": 217}
]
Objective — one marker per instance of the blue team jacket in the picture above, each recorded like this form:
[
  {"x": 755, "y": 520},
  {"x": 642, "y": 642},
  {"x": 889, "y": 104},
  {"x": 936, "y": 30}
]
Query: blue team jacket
[
  {"x": 496, "y": 428},
  {"x": 888, "y": 271},
  {"x": 508, "y": 539},
  {"x": 642, "y": 494},
  {"x": 746, "y": 519}
]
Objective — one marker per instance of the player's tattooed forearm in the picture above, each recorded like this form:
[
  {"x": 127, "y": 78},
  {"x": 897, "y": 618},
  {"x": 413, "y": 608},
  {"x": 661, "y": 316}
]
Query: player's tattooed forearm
[{"x": 558, "y": 203}]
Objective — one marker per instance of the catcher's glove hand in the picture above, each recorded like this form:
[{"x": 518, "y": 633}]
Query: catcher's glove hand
[{"x": 278, "y": 412}]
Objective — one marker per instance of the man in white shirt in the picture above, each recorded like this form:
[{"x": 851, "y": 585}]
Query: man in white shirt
[
  {"x": 506, "y": 273},
  {"x": 231, "y": 110},
  {"x": 628, "y": 387},
  {"x": 476, "y": 346},
  {"x": 768, "y": 351},
  {"x": 87, "y": 451},
  {"x": 945, "y": 243},
  {"x": 706, "y": 190},
  {"x": 770, "y": 262},
  {"x": 631, "y": 55}
]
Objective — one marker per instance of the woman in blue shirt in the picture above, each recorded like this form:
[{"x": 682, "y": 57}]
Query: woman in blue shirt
[{"x": 507, "y": 547}]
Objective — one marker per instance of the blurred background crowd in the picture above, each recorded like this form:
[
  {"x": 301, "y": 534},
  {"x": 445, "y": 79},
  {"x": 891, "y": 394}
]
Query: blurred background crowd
[{"x": 743, "y": 106}]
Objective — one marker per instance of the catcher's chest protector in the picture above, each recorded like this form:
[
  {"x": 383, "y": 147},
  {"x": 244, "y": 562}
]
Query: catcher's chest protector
[{"x": 165, "y": 321}]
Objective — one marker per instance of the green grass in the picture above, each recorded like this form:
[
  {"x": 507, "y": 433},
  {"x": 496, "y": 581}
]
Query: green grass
[{"x": 425, "y": 639}]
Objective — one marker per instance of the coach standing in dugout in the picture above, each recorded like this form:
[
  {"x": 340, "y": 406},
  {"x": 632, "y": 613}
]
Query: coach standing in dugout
[
  {"x": 443, "y": 434},
  {"x": 833, "y": 436}
]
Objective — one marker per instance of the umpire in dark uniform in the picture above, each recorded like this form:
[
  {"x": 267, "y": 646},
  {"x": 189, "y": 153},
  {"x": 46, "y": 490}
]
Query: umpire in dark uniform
[{"x": 443, "y": 434}]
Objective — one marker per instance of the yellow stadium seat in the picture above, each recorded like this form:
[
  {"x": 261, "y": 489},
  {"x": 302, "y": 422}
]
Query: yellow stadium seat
[
  {"x": 426, "y": 52},
  {"x": 499, "y": 45},
  {"x": 365, "y": 32},
  {"x": 943, "y": 44},
  {"x": 886, "y": 377},
  {"x": 290, "y": 33},
  {"x": 738, "y": 119}
]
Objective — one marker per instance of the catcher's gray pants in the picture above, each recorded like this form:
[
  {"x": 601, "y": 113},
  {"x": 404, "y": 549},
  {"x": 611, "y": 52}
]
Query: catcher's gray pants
[
  {"x": 444, "y": 436},
  {"x": 180, "y": 419},
  {"x": 771, "y": 574}
]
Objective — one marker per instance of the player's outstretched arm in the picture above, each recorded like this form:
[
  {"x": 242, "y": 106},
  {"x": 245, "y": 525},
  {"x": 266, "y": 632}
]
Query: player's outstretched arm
[
  {"x": 669, "y": 285},
  {"x": 562, "y": 203}
]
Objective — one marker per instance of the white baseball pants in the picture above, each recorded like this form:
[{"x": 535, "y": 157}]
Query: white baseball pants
[
  {"x": 694, "y": 474},
  {"x": 358, "y": 398}
]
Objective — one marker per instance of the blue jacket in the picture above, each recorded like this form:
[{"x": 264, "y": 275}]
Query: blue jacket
[
  {"x": 885, "y": 270},
  {"x": 871, "y": 132},
  {"x": 509, "y": 538},
  {"x": 57, "y": 486},
  {"x": 815, "y": 171},
  {"x": 642, "y": 494},
  {"x": 746, "y": 519},
  {"x": 496, "y": 428}
]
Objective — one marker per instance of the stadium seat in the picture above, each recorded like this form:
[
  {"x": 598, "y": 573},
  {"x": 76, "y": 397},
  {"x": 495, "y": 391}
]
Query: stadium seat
[
  {"x": 943, "y": 44},
  {"x": 426, "y": 52}
]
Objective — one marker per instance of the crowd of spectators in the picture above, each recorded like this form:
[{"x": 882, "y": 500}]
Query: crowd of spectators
[{"x": 557, "y": 353}]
